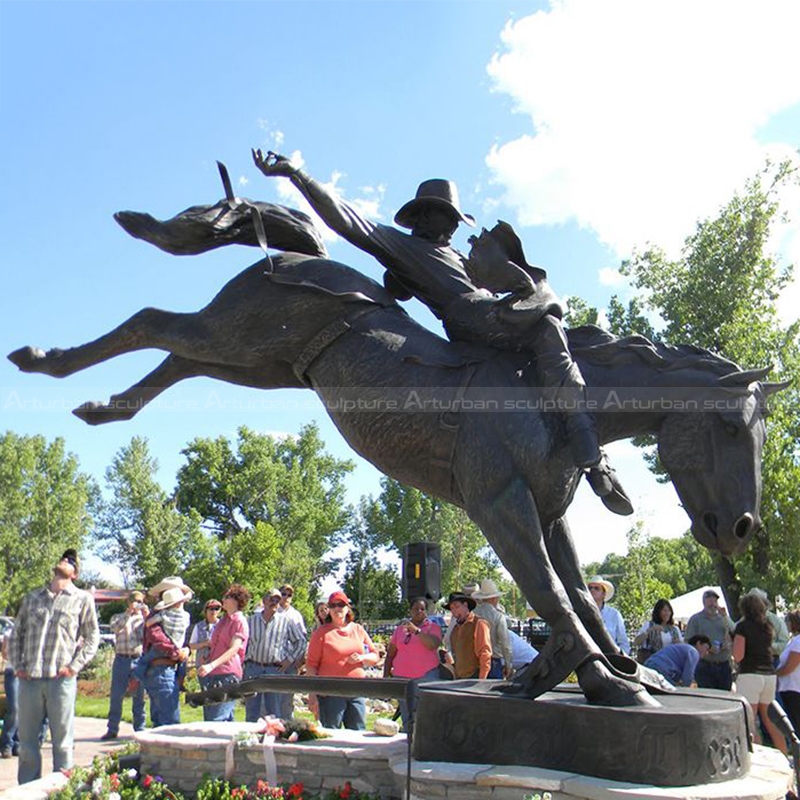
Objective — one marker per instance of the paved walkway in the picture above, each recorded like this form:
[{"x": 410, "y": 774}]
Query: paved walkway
[{"x": 88, "y": 731}]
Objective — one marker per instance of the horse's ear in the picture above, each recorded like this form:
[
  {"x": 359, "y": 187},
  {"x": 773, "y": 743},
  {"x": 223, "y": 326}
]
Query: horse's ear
[
  {"x": 745, "y": 377},
  {"x": 774, "y": 388}
]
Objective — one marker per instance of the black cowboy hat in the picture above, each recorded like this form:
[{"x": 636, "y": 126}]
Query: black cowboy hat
[
  {"x": 436, "y": 192},
  {"x": 461, "y": 598}
]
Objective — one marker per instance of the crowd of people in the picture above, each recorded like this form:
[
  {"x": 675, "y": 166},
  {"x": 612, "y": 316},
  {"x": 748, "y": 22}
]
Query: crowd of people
[
  {"x": 758, "y": 657},
  {"x": 56, "y": 634}
]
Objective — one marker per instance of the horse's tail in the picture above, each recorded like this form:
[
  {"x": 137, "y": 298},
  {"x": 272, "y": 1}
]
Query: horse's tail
[{"x": 202, "y": 228}]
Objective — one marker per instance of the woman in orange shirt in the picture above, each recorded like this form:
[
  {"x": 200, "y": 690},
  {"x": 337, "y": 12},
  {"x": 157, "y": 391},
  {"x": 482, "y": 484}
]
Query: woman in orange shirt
[{"x": 341, "y": 648}]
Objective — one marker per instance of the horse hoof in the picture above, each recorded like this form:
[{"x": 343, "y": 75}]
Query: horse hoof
[
  {"x": 28, "y": 359},
  {"x": 92, "y": 413},
  {"x": 604, "y": 686}
]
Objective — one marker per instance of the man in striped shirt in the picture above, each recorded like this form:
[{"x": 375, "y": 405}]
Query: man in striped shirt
[
  {"x": 276, "y": 643},
  {"x": 54, "y": 637}
]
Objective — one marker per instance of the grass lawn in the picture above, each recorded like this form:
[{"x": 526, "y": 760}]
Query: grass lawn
[{"x": 90, "y": 706}]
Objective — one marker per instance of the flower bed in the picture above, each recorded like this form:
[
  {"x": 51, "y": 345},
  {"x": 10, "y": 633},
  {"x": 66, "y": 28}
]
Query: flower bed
[{"x": 105, "y": 779}]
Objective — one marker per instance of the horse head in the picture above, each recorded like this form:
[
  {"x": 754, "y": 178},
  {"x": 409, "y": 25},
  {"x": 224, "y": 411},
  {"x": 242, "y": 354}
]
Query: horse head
[{"x": 713, "y": 455}]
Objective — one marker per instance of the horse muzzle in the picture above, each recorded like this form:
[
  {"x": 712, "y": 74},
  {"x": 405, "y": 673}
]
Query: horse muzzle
[{"x": 728, "y": 539}]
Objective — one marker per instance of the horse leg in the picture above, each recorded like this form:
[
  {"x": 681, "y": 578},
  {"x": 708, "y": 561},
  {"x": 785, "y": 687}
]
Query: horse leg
[
  {"x": 511, "y": 524},
  {"x": 127, "y": 404},
  {"x": 564, "y": 558},
  {"x": 144, "y": 329},
  {"x": 187, "y": 335}
]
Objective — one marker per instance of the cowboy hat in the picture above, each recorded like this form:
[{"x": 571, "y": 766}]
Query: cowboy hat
[
  {"x": 433, "y": 192},
  {"x": 487, "y": 590},
  {"x": 598, "y": 580},
  {"x": 460, "y": 598},
  {"x": 173, "y": 582},
  {"x": 170, "y": 598}
]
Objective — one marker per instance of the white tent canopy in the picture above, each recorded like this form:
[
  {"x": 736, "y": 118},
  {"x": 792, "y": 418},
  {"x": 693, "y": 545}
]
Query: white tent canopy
[{"x": 690, "y": 603}]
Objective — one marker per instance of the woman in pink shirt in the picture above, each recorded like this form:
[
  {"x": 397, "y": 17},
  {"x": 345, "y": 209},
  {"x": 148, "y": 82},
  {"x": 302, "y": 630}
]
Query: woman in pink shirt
[
  {"x": 226, "y": 651},
  {"x": 414, "y": 653},
  {"x": 341, "y": 648}
]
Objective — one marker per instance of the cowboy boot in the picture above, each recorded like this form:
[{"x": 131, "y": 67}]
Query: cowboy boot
[{"x": 603, "y": 479}]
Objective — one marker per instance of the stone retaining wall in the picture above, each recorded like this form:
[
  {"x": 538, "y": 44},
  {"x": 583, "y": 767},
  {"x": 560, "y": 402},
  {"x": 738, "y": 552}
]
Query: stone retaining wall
[{"x": 182, "y": 754}]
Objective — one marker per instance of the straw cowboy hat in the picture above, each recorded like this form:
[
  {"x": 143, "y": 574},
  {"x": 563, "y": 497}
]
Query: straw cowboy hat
[
  {"x": 487, "y": 590},
  {"x": 600, "y": 581},
  {"x": 433, "y": 192},
  {"x": 171, "y": 598},
  {"x": 173, "y": 582}
]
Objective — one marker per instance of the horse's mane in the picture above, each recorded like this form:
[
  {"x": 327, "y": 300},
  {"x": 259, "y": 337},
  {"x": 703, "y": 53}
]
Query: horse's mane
[{"x": 602, "y": 349}]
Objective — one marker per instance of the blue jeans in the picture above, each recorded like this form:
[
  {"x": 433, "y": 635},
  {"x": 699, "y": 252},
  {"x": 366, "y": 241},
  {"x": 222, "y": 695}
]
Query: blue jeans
[
  {"x": 714, "y": 675},
  {"x": 54, "y": 698},
  {"x": 220, "y": 712},
  {"x": 121, "y": 671},
  {"x": 352, "y": 711},
  {"x": 263, "y": 703},
  {"x": 142, "y": 664},
  {"x": 9, "y": 741},
  {"x": 413, "y": 691},
  {"x": 496, "y": 669},
  {"x": 162, "y": 689}
]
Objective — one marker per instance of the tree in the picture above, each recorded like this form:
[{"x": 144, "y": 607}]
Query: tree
[
  {"x": 721, "y": 294},
  {"x": 274, "y": 506},
  {"x": 45, "y": 507},
  {"x": 139, "y": 528},
  {"x": 653, "y": 567},
  {"x": 402, "y": 515}
]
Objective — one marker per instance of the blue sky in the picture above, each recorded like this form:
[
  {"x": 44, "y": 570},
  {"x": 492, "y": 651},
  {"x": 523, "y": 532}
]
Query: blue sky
[{"x": 592, "y": 125}]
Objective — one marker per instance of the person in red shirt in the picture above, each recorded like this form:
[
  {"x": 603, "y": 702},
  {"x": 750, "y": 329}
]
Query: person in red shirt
[
  {"x": 414, "y": 653},
  {"x": 341, "y": 648}
]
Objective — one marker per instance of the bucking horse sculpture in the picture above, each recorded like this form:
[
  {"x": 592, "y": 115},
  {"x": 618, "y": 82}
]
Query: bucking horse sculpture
[{"x": 415, "y": 406}]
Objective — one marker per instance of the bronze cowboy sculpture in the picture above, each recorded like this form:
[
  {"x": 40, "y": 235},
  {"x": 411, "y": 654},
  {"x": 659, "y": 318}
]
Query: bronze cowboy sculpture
[{"x": 301, "y": 320}]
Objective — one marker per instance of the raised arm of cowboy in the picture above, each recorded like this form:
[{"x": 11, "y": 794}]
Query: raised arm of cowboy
[{"x": 337, "y": 214}]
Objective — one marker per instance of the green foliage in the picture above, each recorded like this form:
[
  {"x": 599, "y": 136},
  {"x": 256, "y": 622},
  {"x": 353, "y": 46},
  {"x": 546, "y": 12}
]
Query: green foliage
[
  {"x": 654, "y": 567},
  {"x": 107, "y": 610},
  {"x": 374, "y": 589},
  {"x": 274, "y": 508},
  {"x": 402, "y": 515},
  {"x": 139, "y": 528},
  {"x": 628, "y": 320},
  {"x": 45, "y": 507},
  {"x": 578, "y": 312},
  {"x": 721, "y": 294}
]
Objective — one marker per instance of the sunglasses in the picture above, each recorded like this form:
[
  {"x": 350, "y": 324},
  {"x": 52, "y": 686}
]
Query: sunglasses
[
  {"x": 274, "y": 599},
  {"x": 286, "y": 594},
  {"x": 213, "y": 608},
  {"x": 337, "y": 605}
]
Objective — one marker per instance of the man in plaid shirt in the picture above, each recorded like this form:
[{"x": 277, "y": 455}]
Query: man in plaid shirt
[
  {"x": 128, "y": 629},
  {"x": 55, "y": 635}
]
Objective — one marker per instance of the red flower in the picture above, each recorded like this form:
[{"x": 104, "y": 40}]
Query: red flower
[
  {"x": 113, "y": 781},
  {"x": 147, "y": 781},
  {"x": 346, "y": 791},
  {"x": 296, "y": 790}
]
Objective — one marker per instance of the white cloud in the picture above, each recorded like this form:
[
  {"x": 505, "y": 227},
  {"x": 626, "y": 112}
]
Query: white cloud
[
  {"x": 243, "y": 181},
  {"x": 610, "y": 276},
  {"x": 644, "y": 115}
]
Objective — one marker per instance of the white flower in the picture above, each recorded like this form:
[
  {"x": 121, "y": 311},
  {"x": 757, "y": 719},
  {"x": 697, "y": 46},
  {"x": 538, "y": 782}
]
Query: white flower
[
  {"x": 132, "y": 773},
  {"x": 114, "y": 796}
]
